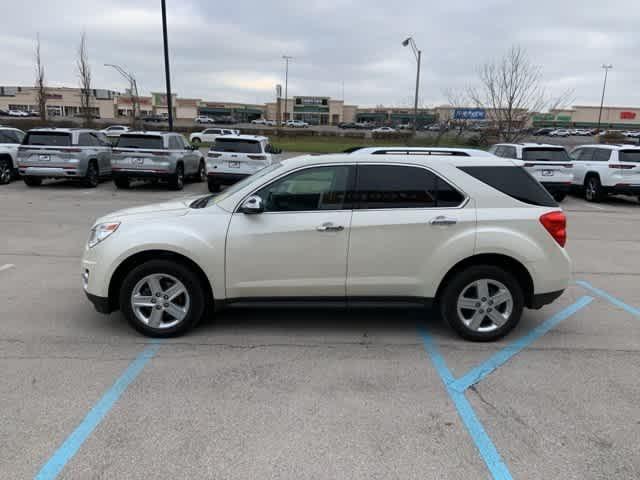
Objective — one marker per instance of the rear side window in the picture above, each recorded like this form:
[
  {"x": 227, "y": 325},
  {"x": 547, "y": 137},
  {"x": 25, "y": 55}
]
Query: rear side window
[
  {"x": 57, "y": 139},
  {"x": 515, "y": 182},
  {"x": 629, "y": 156},
  {"x": 140, "y": 141},
  {"x": 10, "y": 136},
  {"x": 601, "y": 155},
  {"x": 396, "y": 186},
  {"x": 545, "y": 154},
  {"x": 236, "y": 145}
]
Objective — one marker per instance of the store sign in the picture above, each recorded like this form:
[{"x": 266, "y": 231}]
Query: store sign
[
  {"x": 563, "y": 118},
  {"x": 469, "y": 114},
  {"x": 627, "y": 115},
  {"x": 311, "y": 100},
  {"x": 54, "y": 96}
]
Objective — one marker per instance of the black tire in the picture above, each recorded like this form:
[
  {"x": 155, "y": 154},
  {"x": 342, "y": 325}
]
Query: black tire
[
  {"x": 32, "y": 181},
  {"x": 123, "y": 183},
  {"x": 559, "y": 196},
  {"x": 176, "y": 181},
  {"x": 201, "y": 176},
  {"x": 177, "y": 270},
  {"x": 455, "y": 287},
  {"x": 92, "y": 177},
  {"x": 6, "y": 170},
  {"x": 214, "y": 187},
  {"x": 196, "y": 141},
  {"x": 593, "y": 191}
]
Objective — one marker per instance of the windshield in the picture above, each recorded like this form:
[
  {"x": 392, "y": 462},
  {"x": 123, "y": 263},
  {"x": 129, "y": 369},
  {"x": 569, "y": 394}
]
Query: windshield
[
  {"x": 58, "y": 139},
  {"x": 236, "y": 145},
  {"x": 236, "y": 187},
  {"x": 545, "y": 154},
  {"x": 629, "y": 156},
  {"x": 140, "y": 141}
]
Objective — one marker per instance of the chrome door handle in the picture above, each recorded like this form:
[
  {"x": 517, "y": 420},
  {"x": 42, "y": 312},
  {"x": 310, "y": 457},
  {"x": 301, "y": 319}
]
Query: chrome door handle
[
  {"x": 442, "y": 220},
  {"x": 329, "y": 227}
]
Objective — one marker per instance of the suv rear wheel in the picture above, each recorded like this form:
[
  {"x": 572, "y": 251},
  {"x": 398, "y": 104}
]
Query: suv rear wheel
[
  {"x": 6, "y": 170},
  {"x": 196, "y": 141},
  {"x": 593, "y": 191},
  {"x": 32, "y": 181},
  {"x": 92, "y": 177},
  {"x": 176, "y": 182},
  {"x": 482, "y": 303},
  {"x": 214, "y": 187},
  {"x": 202, "y": 172},
  {"x": 162, "y": 298}
]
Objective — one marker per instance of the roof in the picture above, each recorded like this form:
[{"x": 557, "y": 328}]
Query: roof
[
  {"x": 533, "y": 145},
  {"x": 148, "y": 132},
  {"x": 430, "y": 150},
  {"x": 245, "y": 137},
  {"x": 2, "y": 127},
  {"x": 355, "y": 157},
  {"x": 610, "y": 146},
  {"x": 62, "y": 130}
]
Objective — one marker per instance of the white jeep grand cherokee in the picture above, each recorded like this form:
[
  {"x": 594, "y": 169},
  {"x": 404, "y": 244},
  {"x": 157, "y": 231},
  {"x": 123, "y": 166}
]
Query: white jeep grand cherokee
[{"x": 478, "y": 236}]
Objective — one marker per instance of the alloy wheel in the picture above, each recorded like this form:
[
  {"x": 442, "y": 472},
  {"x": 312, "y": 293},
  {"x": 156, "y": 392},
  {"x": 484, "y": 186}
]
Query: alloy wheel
[
  {"x": 485, "y": 305},
  {"x": 5, "y": 173},
  {"x": 160, "y": 301}
]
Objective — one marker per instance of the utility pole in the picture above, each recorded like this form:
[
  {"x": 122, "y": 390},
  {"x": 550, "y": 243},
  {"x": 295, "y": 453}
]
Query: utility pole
[
  {"x": 166, "y": 64},
  {"x": 604, "y": 86},
  {"x": 418, "y": 55},
  {"x": 286, "y": 83}
]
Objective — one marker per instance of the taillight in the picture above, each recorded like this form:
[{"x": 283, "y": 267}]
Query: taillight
[
  {"x": 621, "y": 166},
  {"x": 257, "y": 157},
  {"x": 214, "y": 155},
  {"x": 556, "y": 224}
]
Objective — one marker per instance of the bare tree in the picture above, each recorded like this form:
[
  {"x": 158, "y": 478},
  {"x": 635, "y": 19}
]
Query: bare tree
[
  {"x": 456, "y": 100},
  {"x": 41, "y": 90},
  {"x": 84, "y": 75},
  {"x": 511, "y": 91}
]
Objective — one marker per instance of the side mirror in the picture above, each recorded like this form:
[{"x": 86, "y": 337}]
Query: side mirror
[{"x": 252, "y": 205}]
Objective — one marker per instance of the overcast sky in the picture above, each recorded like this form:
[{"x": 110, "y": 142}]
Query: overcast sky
[{"x": 232, "y": 50}]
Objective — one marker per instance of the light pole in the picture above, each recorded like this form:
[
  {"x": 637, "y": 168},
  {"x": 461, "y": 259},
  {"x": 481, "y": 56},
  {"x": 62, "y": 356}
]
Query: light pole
[
  {"x": 166, "y": 63},
  {"x": 418, "y": 55},
  {"x": 133, "y": 87},
  {"x": 604, "y": 86},
  {"x": 286, "y": 83}
]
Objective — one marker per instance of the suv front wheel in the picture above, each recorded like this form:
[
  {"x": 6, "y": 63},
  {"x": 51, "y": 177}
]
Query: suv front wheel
[
  {"x": 161, "y": 298},
  {"x": 176, "y": 182},
  {"x": 482, "y": 303}
]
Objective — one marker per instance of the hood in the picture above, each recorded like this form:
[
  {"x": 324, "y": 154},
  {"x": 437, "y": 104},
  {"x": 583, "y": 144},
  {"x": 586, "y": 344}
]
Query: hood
[{"x": 174, "y": 208}]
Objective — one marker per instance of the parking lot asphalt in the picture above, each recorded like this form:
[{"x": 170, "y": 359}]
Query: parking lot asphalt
[{"x": 311, "y": 394}]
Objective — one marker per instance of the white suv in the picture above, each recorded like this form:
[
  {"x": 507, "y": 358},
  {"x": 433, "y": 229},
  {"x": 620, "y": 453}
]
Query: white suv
[
  {"x": 477, "y": 236},
  {"x": 601, "y": 170},
  {"x": 10, "y": 139},
  {"x": 549, "y": 164},
  {"x": 209, "y": 135},
  {"x": 234, "y": 157}
]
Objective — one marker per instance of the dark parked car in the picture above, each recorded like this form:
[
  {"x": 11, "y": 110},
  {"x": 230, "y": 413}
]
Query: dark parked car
[
  {"x": 347, "y": 125},
  {"x": 543, "y": 131}
]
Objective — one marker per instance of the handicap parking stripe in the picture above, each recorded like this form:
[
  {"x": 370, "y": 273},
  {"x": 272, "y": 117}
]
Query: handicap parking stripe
[
  {"x": 456, "y": 388},
  {"x": 74, "y": 441},
  {"x": 610, "y": 298}
]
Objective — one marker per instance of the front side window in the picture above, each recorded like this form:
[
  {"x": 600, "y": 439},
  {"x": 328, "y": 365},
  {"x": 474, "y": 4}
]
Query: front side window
[
  {"x": 398, "y": 186},
  {"x": 586, "y": 154},
  {"x": 545, "y": 154},
  {"x": 318, "y": 188}
]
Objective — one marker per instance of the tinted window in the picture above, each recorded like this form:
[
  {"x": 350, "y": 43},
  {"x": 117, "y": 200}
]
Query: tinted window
[
  {"x": 58, "y": 139},
  {"x": 213, "y": 131},
  {"x": 140, "y": 141},
  {"x": 586, "y": 155},
  {"x": 543, "y": 154},
  {"x": 175, "y": 143},
  {"x": 394, "y": 186},
  {"x": 321, "y": 188},
  {"x": 601, "y": 155},
  {"x": 510, "y": 152},
  {"x": 629, "y": 155},
  {"x": 513, "y": 181},
  {"x": 236, "y": 145},
  {"x": 9, "y": 136},
  {"x": 499, "y": 151}
]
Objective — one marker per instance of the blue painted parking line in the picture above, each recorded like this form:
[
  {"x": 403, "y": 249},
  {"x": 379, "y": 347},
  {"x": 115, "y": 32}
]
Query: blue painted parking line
[
  {"x": 503, "y": 356},
  {"x": 607, "y": 296},
  {"x": 456, "y": 388},
  {"x": 74, "y": 441}
]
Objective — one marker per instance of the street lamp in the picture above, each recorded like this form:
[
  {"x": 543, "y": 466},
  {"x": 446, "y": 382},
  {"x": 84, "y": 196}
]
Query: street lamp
[
  {"x": 166, "y": 63},
  {"x": 604, "y": 86},
  {"x": 133, "y": 87},
  {"x": 418, "y": 55},
  {"x": 286, "y": 82}
]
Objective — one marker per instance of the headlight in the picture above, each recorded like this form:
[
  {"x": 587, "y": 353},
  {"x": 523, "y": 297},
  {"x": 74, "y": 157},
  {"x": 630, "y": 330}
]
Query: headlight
[{"x": 100, "y": 232}]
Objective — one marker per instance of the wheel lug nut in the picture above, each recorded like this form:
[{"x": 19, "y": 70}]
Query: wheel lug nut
[
  {"x": 166, "y": 305},
  {"x": 158, "y": 294},
  {"x": 481, "y": 311},
  {"x": 478, "y": 305},
  {"x": 489, "y": 309},
  {"x": 153, "y": 300},
  {"x": 158, "y": 307},
  {"x": 166, "y": 297},
  {"x": 484, "y": 299}
]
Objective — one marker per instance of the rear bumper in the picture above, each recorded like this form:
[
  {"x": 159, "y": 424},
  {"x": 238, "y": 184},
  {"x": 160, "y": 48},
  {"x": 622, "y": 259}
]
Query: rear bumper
[
  {"x": 557, "y": 187},
  {"x": 51, "y": 172},
  {"x": 131, "y": 173},
  {"x": 542, "y": 299},
  {"x": 226, "y": 178},
  {"x": 625, "y": 189}
]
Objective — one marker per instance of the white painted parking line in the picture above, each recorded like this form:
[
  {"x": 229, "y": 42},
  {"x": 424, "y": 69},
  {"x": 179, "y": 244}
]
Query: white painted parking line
[
  {"x": 7, "y": 267},
  {"x": 595, "y": 206}
]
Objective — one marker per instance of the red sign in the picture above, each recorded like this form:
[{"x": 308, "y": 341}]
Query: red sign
[{"x": 627, "y": 115}]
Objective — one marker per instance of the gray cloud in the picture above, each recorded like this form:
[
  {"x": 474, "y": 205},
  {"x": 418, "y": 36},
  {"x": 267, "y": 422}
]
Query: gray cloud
[{"x": 232, "y": 50}]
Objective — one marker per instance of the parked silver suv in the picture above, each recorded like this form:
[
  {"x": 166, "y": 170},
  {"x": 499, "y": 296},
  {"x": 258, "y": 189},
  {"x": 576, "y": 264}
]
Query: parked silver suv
[
  {"x": 156, "y": 156},
  {"x": 70, "y": 153}
]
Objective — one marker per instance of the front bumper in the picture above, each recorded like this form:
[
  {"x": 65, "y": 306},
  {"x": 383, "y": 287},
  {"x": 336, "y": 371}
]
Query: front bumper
[
  {"x": 541, "y": 299},
  {"x": 101, "y": 304}
]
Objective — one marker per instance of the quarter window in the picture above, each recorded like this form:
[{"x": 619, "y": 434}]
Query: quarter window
[
  {"x": 319, "y": 188},
  {"x": 397, "y": 186},
  {"x": 601, "y": 155}
]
